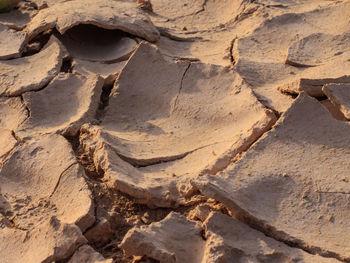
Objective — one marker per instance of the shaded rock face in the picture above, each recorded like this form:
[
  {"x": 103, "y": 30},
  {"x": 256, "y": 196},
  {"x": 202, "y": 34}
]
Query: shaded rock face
[{"x": 174, "y": 131}]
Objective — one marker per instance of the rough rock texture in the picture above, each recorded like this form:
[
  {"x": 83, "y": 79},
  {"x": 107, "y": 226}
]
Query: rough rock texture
[
  {"x": 176, "y": 239},
  {"x": 293, "y": 183},
  {"x": 11, "y": 42},
  {"x": 31, "y": 73},
  {"x": 47, "y": 184},
  {"x": 151, "y": 141},
  {"x": 108, "y": 14},
  {"x": 63, "y": 106},
  {"x": 339, "y": 95}
]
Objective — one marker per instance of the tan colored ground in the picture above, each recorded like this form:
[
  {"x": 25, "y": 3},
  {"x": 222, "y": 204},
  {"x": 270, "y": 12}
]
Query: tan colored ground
[{"x": 175, "y": 131}]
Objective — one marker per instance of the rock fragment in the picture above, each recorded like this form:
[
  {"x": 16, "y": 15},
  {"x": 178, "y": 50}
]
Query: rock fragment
[
  {"x": 339, "y": 95},
  {"x": 11, "y": 43},
  {"x": 165, "y": 240},
  {"x": 161, "y": 129},
  {"x": 107, "y": 14},
  {"x": 87, "y": 254},
  {"x": 31, "y": 73},
  {"x": 66, "y": 103},
  {"x": 293, "y": 183},
  {"x": 312, "y": 86}
]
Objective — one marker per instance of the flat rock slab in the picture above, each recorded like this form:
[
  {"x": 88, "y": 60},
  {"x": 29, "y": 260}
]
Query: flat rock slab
[
  {"x": 108, "y": 14},
  {"x": 316, "y": 49},
  {"x": 96, "y": 44},
  {"x": 339, "y": 95},
  {"x": 47, "y": 183},
  {"x": 220, "y": 239},
  {"x": 164, "y": 126},
  {"x": 293, "y": 183},
  {"x": 108, "y": 71},
  {"x": 66, "y": 103},
  {"x": 31, "y": 73},
  {"x": 11, "y": 43}
]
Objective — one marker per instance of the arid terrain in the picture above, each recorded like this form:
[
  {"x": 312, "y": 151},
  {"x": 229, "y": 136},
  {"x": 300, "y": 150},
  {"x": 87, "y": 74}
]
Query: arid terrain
[{"x": 185, "y": 131}]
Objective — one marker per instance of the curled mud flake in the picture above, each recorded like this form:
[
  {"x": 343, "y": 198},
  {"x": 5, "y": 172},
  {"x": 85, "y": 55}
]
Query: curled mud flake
[
  {"x": 11, "y": 43},
  {"x": 108, "y": 14},
  {"x": 162, "y": 125},
  {"x": 63, "y": 106},
  {"x": 31, "y": 73}
]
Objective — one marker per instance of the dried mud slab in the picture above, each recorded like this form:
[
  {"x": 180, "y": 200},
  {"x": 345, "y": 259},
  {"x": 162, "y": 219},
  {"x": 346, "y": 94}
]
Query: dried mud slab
[
  {"x": 25, "y": 74},
  {"x": 227, "y": 238},
  {"x": 12, "y": 114},
  {"x": 163, "y": 127},
  {"x": 165, "y": 240},
  {"x": 316, "y": 49},
  {"x": 87, "y": 254},
  {"x": 107, "y": 14},
  {"x": 95, "y": 44},
  {"x": 339, "y": 95},
  {"x": 108, "y": 71},
  {"x": 293, "y": 183},
  {"x": 46, "y": 183},
  {"x": 11, "y": 43},
  {"x": 260, "y": 56},
  {"x": 313, "y": 87},
  {"x": 50, "y": 242},
  {"x": 63, "y": 106},
  {"x": 17, "y": 19},
  {"x": 220, "y": 239}
]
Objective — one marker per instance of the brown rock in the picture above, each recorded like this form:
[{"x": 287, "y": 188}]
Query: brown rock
[{"x": 87, "y": 254}]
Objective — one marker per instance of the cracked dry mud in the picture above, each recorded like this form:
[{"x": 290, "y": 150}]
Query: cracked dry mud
[{"x": 175, "y": 131}]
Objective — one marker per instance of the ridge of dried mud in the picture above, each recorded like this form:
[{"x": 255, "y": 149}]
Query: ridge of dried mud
[{"x": 175, "y": 131}]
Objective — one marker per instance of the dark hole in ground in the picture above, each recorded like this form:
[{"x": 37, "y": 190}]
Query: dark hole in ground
[{"x": 92, "y": 43}]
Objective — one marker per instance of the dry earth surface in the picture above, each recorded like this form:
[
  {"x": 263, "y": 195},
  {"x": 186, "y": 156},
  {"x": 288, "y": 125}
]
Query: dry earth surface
[{"x": 175, "y": 131}]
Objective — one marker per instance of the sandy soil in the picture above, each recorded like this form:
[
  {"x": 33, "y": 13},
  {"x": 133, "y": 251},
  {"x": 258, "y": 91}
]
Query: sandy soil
[{"x": 192, "y": 131}]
